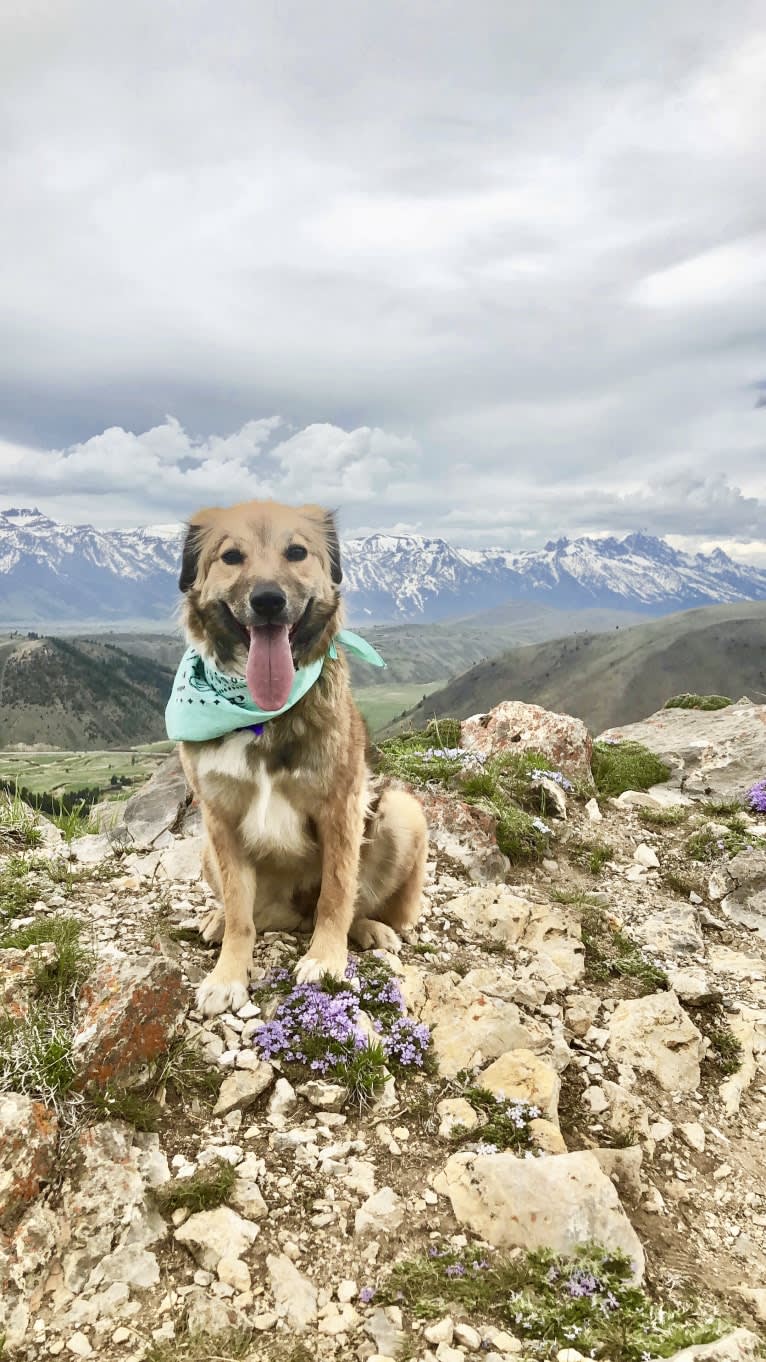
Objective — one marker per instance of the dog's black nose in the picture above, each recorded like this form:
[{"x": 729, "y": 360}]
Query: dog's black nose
[{"x": 268, "y": 602}]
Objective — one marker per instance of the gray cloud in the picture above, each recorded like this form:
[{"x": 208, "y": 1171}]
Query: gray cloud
[{"x": 500, "y": 268}]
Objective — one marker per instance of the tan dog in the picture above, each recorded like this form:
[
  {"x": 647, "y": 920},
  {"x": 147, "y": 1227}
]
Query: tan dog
[{"x": 295, "y": 826}]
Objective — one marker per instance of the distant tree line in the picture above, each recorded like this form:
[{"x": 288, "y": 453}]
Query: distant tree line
[{"x": 48, "y": 803}]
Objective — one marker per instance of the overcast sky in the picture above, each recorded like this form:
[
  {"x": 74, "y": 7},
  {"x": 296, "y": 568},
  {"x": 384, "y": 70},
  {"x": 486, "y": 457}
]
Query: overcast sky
[{"x": 495, "y": 270}]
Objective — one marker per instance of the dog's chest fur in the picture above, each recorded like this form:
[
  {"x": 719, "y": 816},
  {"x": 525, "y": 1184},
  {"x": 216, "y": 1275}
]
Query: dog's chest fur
[{"x": 269, "y": 820}]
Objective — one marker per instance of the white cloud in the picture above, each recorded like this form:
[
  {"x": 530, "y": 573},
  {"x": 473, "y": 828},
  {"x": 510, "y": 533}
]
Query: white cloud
[
  {"x": 711, "y": 278},
  {"x": 500, "y": 270}
]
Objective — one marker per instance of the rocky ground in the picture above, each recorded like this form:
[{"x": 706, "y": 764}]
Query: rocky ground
[{"x": 173, "y": 1188}]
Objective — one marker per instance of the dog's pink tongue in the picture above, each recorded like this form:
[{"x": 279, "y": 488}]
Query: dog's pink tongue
[{"x": 270, "y": 670}]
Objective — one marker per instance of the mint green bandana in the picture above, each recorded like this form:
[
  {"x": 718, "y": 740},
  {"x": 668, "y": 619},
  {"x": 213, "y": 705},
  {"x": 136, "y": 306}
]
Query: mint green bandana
[{"x": 205, "y": 703}]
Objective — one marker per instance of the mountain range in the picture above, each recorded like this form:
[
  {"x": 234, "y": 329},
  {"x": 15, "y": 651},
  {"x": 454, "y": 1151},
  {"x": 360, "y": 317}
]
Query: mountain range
[{"x": 75, "y": 574}]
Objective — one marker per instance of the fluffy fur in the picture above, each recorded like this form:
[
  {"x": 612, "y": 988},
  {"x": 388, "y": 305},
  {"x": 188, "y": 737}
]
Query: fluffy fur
[{"x": 296, "y": 828}]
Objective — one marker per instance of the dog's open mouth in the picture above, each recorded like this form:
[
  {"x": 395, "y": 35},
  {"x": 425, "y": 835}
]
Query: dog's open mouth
[{"x": 270, "y": 669}]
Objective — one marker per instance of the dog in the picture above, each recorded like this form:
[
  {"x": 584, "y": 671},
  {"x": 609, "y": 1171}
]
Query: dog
[{"x": 296, "y": 827}]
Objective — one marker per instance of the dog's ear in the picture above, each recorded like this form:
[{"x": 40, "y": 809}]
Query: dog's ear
[
  {"x": 333, "y": 548},
  {"x": 190, "y": 556}
]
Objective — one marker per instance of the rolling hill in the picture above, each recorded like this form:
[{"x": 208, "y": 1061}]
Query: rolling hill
[
  {"x": 417, "y": 653},
  {"x": 79, "y": 695},
  {"x": 619, "y": 677}
]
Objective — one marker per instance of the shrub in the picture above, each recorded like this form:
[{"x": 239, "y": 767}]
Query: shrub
[
  {"x": 620, "y": 766},
  {"x": 691, "y": 701}
]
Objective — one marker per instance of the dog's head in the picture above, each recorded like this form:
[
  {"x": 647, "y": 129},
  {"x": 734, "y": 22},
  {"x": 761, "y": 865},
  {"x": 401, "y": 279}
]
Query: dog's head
[{"x": 261, "y": 585}]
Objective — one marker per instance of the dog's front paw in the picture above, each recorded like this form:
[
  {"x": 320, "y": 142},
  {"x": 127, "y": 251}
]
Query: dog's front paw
[
  {"x": 212, "y": 925},
  {"x": 375, "y": 936},
  {"x": 315, "y": 964},
  {"x": 216, "y": 994}
]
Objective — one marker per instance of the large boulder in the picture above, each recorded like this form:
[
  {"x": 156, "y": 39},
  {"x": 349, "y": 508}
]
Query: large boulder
[
  {"x": 556, "y": 1203},
  {"x": 160, "y": 807},
  {"x": 517, "y": 727},
  {"x": 128, "y": 1012},
  {"x": 28, "y": 1142},
  {"x": 106, "y": 1200},
  {"x": 655, "y": 1035},
  {"x": 718, "y": 754},
  {"x": 470, "y": 1027},
  {"x": 746, "y": 903},
  {"x": 544, "y": 930},
  {"x": 464, "y": 833}
]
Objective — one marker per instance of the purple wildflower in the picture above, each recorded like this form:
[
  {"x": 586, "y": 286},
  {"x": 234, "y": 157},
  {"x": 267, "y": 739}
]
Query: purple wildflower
[
  {"x": 582, "y": 1283},
  {"x": 407, "y": 1042},
  {"x": 557, "y": 776},
  {"x": 307, "y": 1014},
  {"x": 308, "y": 1009},
  {"x": 756, "y": 797},
  {"x": 366, "y": 1295},
  {"x": 455, "y": 1270}
]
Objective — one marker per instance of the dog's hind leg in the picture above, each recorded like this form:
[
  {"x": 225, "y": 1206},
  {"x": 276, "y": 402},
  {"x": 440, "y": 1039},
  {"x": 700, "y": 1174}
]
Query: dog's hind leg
[{"x": 393, "y": 873}]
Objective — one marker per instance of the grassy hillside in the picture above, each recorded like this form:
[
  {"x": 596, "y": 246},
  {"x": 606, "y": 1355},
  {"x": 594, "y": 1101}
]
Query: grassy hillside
[
  {"x": 116, "y": 771},
  {"x": 426, "y": 653},
  {"x": 622, "y": 676},
  {"x": 82, "y": 694}
]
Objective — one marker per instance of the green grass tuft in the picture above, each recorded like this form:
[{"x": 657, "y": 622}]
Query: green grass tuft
[
  {"x": 36, "y": 1055},
  {"x": 16, "y": 891},
  {"x": 72, "y": 822},
  {"x": 664, "y": 818},
  {"x": 690, "y": 701},
  {"x": 588, "y": 1301},
  {"x": 682, "y": 883},
  {"x": 721, "y": 809},
  {"x": 709, "y": 843},
  {"x": 504, "y": 1123},
  {"x": 611, "y": 954},
  {"x": 117, "y": 1104},
  {"x": 625, "y": 766},
  {"x": 18, "y": 823},
  {"x": 55, "y": 980},
  {"x": 203, "y": 1191},
  {"x": 185, "y": 1073},
  {"x": 364, "y": 1074},
  {"x": 726, "y": 1050},
  {"x": 592, "y": 855},
  {"x": 197, "y": 1347}
]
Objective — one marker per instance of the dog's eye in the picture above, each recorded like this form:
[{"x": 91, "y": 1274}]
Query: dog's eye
[
  {"x": 295, "y": 553},
  {"x": 232, "y": 556}
]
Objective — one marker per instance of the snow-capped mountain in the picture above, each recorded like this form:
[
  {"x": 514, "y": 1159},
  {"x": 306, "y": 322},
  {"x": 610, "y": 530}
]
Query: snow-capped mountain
[{"x": 70, "y": 573}]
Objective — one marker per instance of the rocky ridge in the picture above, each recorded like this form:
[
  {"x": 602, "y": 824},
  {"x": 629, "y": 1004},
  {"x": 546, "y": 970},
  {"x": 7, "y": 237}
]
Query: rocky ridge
[{"x": 598, "y": 1032}]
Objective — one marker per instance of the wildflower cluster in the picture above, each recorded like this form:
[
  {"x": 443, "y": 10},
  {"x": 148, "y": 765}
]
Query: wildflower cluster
[
  {"x": 557, "y": 776},
  {"x": 588, "y": 1301},
  {"x": 506, "y": 1124},
  {"x": 756, "y": 797},
  {"x": 309, "y": 1014},
  {"x": 321, "y": 1026},
  {"x": 708, "y": 844}
]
